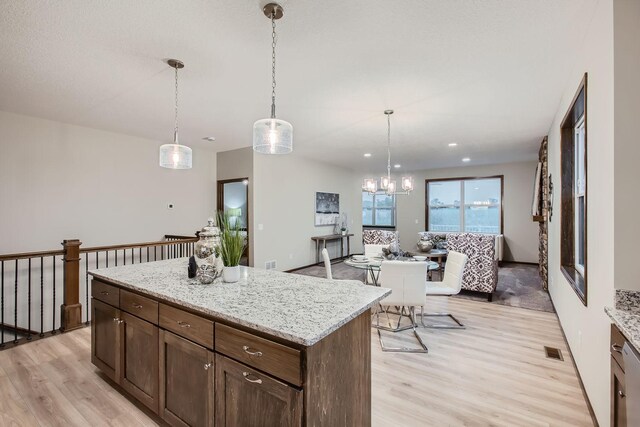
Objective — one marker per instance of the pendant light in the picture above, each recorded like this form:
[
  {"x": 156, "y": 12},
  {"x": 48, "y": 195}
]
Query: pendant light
[
  {"x": 273, "y": 136},
  {"x": 386, "y": 183},
  {"x": 175, "y": 156}
]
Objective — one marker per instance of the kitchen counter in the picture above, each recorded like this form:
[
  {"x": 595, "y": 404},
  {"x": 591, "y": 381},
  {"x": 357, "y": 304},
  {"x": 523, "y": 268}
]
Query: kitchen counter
[
  {"x": 297, "y": 308},
  {"x": 626, "y": 315}
]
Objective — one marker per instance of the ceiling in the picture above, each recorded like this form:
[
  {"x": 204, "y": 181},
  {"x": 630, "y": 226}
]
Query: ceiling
[{"x": 485, "y": 74}]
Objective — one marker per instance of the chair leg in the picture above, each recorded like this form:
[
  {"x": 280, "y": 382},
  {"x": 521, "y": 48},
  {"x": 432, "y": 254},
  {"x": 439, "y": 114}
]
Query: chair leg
[
  {"x": 422, "y": 349},
  {"x": 458, "y": 324}
]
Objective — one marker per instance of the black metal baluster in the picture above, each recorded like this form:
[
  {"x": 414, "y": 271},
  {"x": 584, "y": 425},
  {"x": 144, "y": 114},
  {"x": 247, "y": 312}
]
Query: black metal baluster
[
  {"x": 140, "y": 254},
  {"x": 133, "y": 259},
  {"x": 161, "y": 252},
  {"x": 116, "y": 251},
  {"x": 124, "y": 257},
  {"x": 41, "y": 296},
  {"x": 147, "y": 253},
  {"x": 155, "y": 253},
  {"x": 106, "y": 253},
  {"x": 86, "y": 285},
  {"x": 2, "y": 305},
  {"x": 29, "y": 305},
  {"x": 15, "y": 307},
  {"x": 53, "y": 331}
]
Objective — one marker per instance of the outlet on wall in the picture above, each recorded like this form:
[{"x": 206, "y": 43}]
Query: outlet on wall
[{"x": 270, "y": 265}]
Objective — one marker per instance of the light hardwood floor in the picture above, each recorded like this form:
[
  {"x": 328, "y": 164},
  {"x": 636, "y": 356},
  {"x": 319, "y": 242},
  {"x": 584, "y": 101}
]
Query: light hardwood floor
[{"x": 494, "y": 373}]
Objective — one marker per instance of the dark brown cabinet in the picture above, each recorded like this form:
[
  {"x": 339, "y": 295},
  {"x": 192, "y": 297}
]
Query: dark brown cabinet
[
  {"x": 186, "y": 382},
  {"x": 618, "y": 396},
  {"x": 139, "y": 359},
  {"x": 105, "y": 338},
  {"x": 246, "y": 397}
]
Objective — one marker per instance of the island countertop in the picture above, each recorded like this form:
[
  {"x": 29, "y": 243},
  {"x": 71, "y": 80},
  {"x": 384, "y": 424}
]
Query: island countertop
[
  {"x": 297, "y": 308},
  {"x": 626, "y": 314}
]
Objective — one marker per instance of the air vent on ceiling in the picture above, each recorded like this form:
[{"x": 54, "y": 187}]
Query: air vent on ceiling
[{"x": 553, "y": 353}]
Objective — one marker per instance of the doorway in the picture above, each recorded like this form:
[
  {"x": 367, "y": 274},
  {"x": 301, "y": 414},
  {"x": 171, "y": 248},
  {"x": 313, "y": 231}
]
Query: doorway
[{"x": 233, "y": 199}]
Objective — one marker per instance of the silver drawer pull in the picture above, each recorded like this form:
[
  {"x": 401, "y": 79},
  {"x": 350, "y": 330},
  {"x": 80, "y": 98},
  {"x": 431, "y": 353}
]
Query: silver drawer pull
[
  {"x": 621, "y": 393},
  {"x": 136, "y": 305},
  {"x": 251, "y": 380},
  {"x": 207, "y": 366},
  {"x": 616, "y": 348},
  {"x": 105, "y": 293},
  {"x": 183, "y": 324},
  {"x": 250, "y": 352}
]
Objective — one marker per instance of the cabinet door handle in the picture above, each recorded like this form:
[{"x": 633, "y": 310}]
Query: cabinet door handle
[
  {"x": 616, "y": 348},
  {"x": 251, "y": 380},
  {"x": 105, "y": 293},
  {"x": 250, "y": 352},
  {"x": 136, "y": 305},
  {"x": 207, "y": 366},
  {"x": 116, "y": 320},
  {"x": 183, "y": 324},
  {"x": 120, "y": 321},
  {"x": 621, "y": 393}
]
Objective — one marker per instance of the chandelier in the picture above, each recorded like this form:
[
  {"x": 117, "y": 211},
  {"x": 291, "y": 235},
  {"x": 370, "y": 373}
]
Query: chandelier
[
  {"x": 386, "y": 183},
  {"x": 273, "y": 136}
]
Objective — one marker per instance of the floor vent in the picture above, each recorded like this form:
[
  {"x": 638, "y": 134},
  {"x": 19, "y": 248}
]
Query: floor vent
[{"x": 553, "y": 353}]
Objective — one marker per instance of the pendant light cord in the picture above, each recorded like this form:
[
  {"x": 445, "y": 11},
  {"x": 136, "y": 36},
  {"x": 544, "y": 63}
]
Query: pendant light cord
[
  {"x": 273, "y": 64},
  {"x": 175, "y": 129},
  {"x": 389, "y": 147}
]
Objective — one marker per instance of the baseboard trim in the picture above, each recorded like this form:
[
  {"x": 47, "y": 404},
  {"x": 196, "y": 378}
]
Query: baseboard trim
[
  {"x": 333, "y": 261},
  {"x": 518, "y": 262},
  {"x": 575, "y": 367}
]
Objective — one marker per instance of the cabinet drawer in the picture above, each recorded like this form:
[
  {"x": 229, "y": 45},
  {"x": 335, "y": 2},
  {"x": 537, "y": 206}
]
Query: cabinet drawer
[
  {"x": 105, "y": 293},
  {"x": 617, "y": 341},
  {"x": 274, "y": 358},
  {"x": 140, "y": 306},
  {"x": 187, "y": 325}
]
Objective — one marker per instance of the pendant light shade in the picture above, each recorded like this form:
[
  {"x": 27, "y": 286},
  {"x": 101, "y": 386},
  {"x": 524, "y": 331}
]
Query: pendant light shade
[
  {"x": 272, "y": 136},
  {"x": 175, "y": 156}
]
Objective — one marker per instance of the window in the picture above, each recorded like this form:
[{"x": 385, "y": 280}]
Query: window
[
  {"x": 378, "y": 210},
  {"x": 465, "y": 204},
  {"x": 573, "y": 218}
]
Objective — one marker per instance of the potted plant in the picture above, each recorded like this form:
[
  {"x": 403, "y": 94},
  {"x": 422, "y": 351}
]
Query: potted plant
[{"x": 232, "y": 245}]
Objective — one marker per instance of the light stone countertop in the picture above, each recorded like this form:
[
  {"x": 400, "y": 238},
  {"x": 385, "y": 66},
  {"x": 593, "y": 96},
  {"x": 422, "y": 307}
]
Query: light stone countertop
[
  {"x": 297, "y": 308},
  {"x": 626, "y": 315}
]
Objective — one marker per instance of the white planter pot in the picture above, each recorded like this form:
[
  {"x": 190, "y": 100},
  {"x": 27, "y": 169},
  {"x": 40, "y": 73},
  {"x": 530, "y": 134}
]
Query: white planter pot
[{"x": 231, "y": 274}]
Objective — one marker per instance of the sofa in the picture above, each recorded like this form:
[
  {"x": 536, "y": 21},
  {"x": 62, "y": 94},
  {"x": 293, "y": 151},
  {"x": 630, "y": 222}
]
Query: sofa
[{"x": 481, "y": 272}]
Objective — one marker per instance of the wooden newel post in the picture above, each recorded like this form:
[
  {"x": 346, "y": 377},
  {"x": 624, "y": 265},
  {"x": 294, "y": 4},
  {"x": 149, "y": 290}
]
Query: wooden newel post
[{"x": 71, "y": 309}]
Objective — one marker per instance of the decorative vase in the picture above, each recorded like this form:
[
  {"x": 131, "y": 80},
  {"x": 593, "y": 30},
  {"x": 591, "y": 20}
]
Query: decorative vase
[
  {"x": 231, "y": 274},
  {"x": 205, "y": 253}
]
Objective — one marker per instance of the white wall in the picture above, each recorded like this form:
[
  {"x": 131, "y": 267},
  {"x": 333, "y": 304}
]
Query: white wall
[
  {"x": 627, "y": 147},
  {"x": 60, "y": 181},
  {"x": 283, "y": 204},
  {"x": 587, "y": 328},
  {"x": 521, "y": 233}
]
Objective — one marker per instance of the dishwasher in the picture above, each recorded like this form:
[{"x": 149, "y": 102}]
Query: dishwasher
[{"x": 632, "y": 384}]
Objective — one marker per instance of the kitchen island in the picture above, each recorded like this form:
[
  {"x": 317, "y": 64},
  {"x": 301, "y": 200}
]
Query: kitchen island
[{"x": 273, "y": 349}]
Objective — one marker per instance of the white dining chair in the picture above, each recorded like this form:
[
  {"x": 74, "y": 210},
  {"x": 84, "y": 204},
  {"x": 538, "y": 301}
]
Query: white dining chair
[
  {"x": 327, "y": 263},
  {"x": 370, "y": 251},
  {"x": 408, "y": 287},
  {"x": 450, "y": 285}
]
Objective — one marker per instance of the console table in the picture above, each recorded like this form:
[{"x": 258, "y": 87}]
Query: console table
[{"x": 331, "y": 237}]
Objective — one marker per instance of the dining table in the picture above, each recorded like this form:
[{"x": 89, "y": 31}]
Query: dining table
[{"x": 372, "y": 265}]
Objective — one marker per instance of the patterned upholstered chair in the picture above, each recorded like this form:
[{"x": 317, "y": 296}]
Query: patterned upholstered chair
[
  {"x": 481, "y": 272},
  {"x": 381, "y": 237}
]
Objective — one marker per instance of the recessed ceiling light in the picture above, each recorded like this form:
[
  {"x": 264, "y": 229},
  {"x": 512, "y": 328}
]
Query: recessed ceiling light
[
  {"x": 396, "y": 166},
  {"x": 367, "y": 154},
  {"x": 466, "y": 159},
  {"x": 209, "y": 138},
  {"x": 453, "y": 144}
]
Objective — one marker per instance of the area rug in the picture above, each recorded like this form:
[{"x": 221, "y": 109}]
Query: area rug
[{"x": 519, "y": 285}]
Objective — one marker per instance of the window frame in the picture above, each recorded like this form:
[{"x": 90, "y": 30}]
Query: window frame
[
  {"x": 462, "y": 201},
  {"x": 373, "y": 208},
  {"x": 576, "y": 275}
]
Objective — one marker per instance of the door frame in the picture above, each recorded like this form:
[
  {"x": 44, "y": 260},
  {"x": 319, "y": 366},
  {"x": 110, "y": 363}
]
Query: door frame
[{"x": 220, "y": 207}]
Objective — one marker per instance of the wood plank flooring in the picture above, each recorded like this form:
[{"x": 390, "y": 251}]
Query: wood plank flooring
[{"x": 494, "y": 373}]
